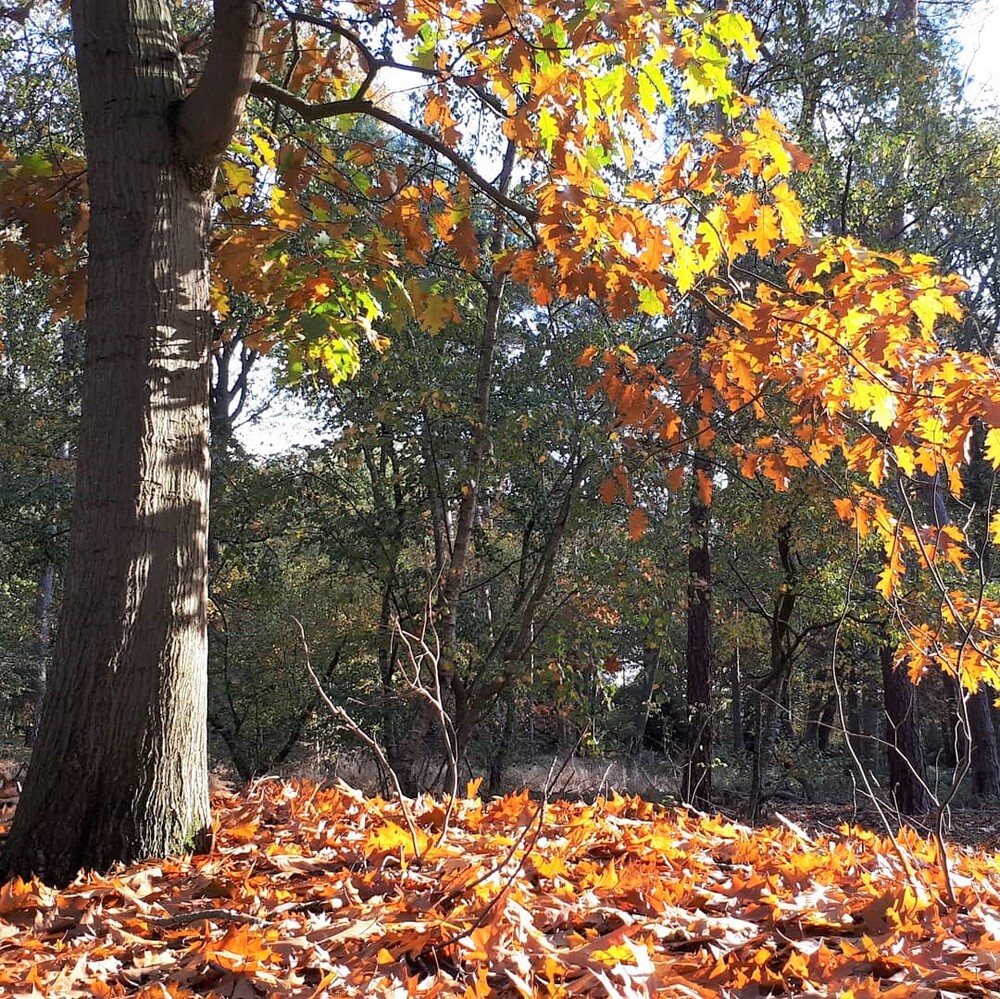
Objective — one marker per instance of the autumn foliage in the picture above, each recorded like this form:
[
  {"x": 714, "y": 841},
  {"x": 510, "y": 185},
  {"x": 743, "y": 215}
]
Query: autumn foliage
[
  {"x": 313, "y": 891},
  {"x": 841, "y": 349},
  {"x": 842, "y": 356}
]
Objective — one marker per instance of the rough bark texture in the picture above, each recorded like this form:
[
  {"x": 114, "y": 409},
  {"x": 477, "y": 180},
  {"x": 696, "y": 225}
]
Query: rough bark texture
[{"x": 119, "y": 770}]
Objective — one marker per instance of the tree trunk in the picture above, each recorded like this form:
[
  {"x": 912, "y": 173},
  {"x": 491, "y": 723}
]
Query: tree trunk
[
  {"x": 43, "y": 647},
  {"x": 985, "y": 756},
  {"x": 650, "y": 666},
  {"x": 737, "y": 735},
  {"x": 697, "y": 787},
  {"x": 120, "y": 767},
  {"x": 907, "y": 781},
  {"x": 451, "y": 566},
  {"x": 770, "y": 691}
]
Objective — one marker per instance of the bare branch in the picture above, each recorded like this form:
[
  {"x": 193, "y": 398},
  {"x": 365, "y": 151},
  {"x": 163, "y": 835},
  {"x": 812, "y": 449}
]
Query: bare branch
[{"x": 339, "y": 713}]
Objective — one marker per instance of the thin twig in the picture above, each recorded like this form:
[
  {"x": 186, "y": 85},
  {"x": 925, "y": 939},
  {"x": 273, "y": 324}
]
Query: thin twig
[
  {"x": 341, "y": 715},
  {"x": 220, "y": 915}
]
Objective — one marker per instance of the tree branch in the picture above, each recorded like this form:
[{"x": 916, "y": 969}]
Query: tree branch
[
  {"x": 359, "y": 105},
  {"x": 373, "y": 63},
  {"x": 207, "y": 118}
]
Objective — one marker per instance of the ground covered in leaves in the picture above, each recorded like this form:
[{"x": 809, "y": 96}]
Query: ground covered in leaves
[{"x": 315, "y": 891}]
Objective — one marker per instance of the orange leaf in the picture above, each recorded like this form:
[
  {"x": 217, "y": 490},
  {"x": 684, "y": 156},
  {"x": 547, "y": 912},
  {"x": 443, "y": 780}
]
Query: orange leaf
[
  {"x": 608, "y": 491},
  {"x": 637, "y": 524}
]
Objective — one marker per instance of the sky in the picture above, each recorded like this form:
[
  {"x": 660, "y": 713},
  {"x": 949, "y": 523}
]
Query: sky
[
  {"x": 980, "y": 40},
  {"x": 288, "y": 422}
]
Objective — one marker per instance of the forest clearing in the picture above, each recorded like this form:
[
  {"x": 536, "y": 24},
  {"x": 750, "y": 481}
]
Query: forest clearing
[{"x": 540, "y": 458}]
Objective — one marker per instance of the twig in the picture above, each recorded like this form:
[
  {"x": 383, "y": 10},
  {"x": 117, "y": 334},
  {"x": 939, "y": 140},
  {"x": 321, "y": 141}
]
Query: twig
[
  {"x": 222, "y": 915},
  {"x": 339, "y": 713},
  {"x": 904, "y": 860},
  {"x": 309, "y": 111},
  {"x": 435, "y": 697}
]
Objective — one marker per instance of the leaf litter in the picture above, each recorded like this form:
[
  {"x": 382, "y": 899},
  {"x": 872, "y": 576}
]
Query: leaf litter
[{"x": 313, "y": 891}]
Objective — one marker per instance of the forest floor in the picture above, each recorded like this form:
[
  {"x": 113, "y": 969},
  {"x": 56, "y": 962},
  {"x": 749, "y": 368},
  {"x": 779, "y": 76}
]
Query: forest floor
[{"x": 314, "y": 891}]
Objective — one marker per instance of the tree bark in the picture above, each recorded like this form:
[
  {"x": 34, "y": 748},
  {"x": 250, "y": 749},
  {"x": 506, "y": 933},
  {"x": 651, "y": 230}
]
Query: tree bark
[
  {"x": 43, "y": 646},
  {"x": 985, "y": 754},
  {"x": 769, "y": 691},
  {"x": 120, "y": 767},
  {"x": 907, "y": 783},
  {"x": 452, "y": 565},
  {"x": 737, "y": 735}
]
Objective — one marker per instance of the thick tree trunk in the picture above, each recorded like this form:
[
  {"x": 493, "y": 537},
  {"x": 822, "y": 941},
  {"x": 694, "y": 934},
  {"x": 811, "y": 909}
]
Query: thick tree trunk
[{"x": 120, "y": 767}]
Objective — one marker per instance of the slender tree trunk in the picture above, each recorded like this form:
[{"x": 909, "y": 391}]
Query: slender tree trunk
[
  {"x": 982, "y": 715},
  {"x": 826, "y": 723},
  {"x": 985, "y": 756},
  {"x": 907, "y": 778},
  {"x": 650, "y": 666},
  {"x": 43, "y": 646},
  {"x": 120, "y": 767},
  {"x": 769, "y": 691},
  {"x": 467, "y": 708},
  {"x": 505, "y": 743},
  {"x": 852, "y": 706},
  {"x": 737, "y": 735},
  {"x": 819, "y": 698},
  {"x": 697, "y": 787}
]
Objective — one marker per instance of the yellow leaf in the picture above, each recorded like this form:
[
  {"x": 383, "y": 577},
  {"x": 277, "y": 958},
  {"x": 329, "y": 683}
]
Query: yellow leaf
[
  {"x": 905, "y": 459},
  {"x": 767, "y": 232},
  {"x": 993, "y": 446},
  {"x": 883, "y": 407},
  {"x": 266, "y": 151},
  {"x": 932, "y": 430},
  {"x": 927, "y": 307},
  {"x": 886, "y": 583},
  {"x": 438, "y": 311},
  {"x": 995, "y": 528},
  {"x": 685, "y": 265},
  {"x": 789, "y": 210}
]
